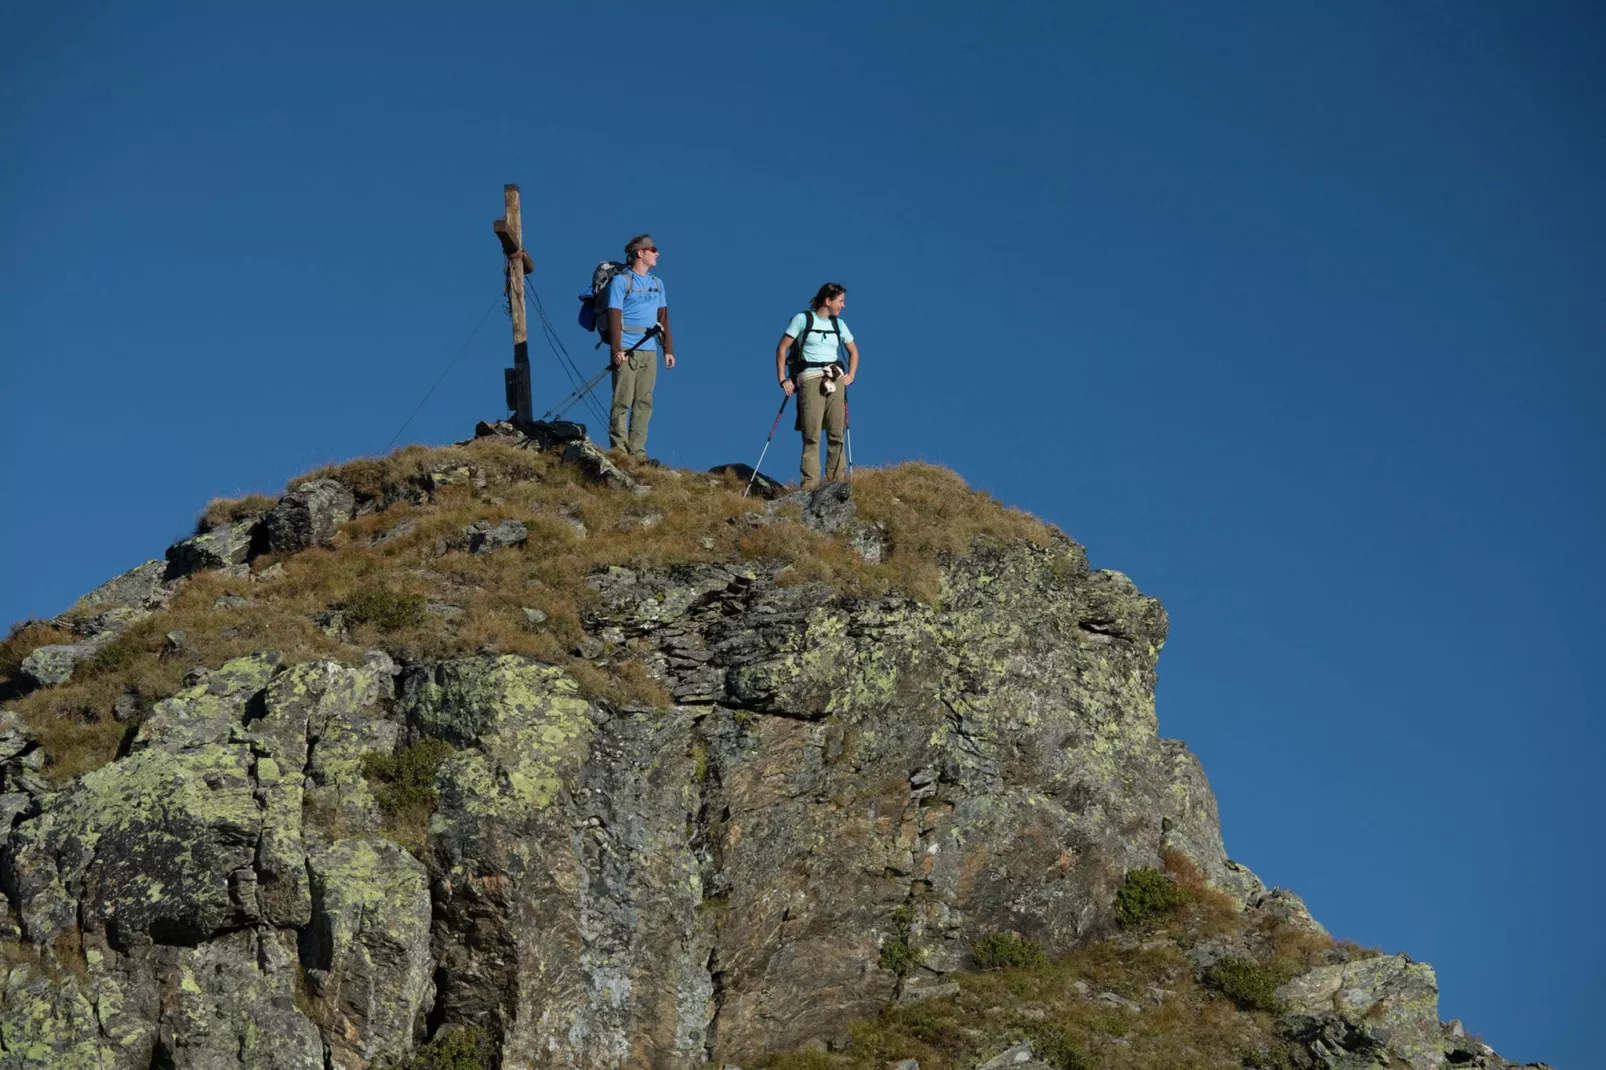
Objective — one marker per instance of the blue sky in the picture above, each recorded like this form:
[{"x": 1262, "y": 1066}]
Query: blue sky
[{"x": 1294, "y": 313}]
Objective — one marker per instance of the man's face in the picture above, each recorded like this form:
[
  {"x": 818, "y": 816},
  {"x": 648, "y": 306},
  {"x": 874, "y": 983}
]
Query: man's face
[
  {"x": 649, "y": 256},
  {"x": 835, "y": 306}
]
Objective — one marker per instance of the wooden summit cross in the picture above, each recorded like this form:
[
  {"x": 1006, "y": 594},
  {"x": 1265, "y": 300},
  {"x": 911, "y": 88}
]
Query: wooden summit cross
[{"x": 510, "y": 231}]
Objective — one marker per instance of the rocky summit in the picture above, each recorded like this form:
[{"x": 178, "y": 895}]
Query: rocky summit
[{"x": 515, "y": 754}]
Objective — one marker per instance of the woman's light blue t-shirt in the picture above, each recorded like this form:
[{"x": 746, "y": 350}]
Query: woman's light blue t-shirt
[{"x": 818, "y": 347}]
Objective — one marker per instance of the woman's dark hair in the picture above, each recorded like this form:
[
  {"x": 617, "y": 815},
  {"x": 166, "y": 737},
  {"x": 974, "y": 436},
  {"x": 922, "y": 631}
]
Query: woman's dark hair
[{"x": 829, "y": 292}]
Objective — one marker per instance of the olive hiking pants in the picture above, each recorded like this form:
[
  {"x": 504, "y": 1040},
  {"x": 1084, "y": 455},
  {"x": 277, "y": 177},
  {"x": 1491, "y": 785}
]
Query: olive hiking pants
[
  {"x": 817, "y": 412},
  {"x": 632, "y": 401}
]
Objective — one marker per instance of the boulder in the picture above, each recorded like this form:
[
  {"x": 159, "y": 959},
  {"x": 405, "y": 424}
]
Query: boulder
[
  {"x": 1289, "y": 910},
  {"x": 53, "y": 665},
  {"x": 825, "y": 507},
  {"x": 114, "y": 621},
  {"x": 540, "y": 434},
  {"x": 1385, "y": 1003},
  {"x": 14, "y": 736},
  {"x": 762, "y": 485},
  {"x": 141, "y": 586},
  {"x": 485, "y": 537},
  {"x": 829, "y": 509},
  {"x": 222, "y": 547},
  {"x": 308, "y": 516},
  {"x": 595, "y": 466}
]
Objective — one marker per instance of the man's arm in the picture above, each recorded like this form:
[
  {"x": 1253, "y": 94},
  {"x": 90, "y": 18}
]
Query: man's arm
[
  {"x": 669, "y": 341},
  {"x": 615, "y": 333},
  {"x": 780, "y": 363}
]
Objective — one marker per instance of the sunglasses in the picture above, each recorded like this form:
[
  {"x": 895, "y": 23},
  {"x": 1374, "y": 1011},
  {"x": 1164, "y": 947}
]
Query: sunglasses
[{"x": 649, "y": 249}]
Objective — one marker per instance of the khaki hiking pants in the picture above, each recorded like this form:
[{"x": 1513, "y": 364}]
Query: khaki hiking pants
[
  {"x": 632, "y": 401},
  {"x": 814, "y": 411}
]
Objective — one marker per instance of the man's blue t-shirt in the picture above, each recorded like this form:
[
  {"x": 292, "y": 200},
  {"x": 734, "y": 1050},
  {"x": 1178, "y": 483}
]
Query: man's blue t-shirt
[
  {"x": 640, "y": 306},
  {"x": 818, "y": 347}
]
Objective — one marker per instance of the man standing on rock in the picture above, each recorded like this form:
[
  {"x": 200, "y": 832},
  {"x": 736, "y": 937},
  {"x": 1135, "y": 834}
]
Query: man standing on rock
[
  {"x": 636, "y": 304},
  {"x": 806, "y": 362}
]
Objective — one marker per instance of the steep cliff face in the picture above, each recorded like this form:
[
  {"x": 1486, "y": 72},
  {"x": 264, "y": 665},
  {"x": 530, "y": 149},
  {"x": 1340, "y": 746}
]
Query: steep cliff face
[{"x": 837, "y": 794}]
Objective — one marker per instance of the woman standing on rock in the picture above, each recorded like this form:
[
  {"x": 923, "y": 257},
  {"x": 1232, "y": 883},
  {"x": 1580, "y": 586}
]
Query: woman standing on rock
[{"x": 807, "y": 363}]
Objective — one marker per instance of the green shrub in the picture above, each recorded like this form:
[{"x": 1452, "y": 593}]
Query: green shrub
[
  {"x": 1246, "y": 983},
  {"x": 896, "y": 955},
  {"x": 407, "y": 778},
  {"x": 931, "y": 1021},
  {"x": 1052, "y": 1045},
  {"x": 997, "y": 950},
  {"x": 404, "y": 787},
  {"x": 385, "y": 608},
  {"x": 461, "y": 1049},
  {"x": 1147, "y": 893}
]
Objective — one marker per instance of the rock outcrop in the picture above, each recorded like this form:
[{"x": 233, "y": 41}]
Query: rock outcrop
[
  {"x": 308, "y": 516},
  {"x": 603, "y": 884}
]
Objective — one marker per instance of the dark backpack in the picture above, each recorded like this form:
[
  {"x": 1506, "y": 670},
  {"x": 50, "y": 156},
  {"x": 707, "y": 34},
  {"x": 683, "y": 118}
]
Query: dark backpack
[{"x": 794, "y": 356}]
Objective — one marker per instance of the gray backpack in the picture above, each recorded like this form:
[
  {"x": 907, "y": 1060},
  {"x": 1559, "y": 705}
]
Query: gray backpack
[{"x": 594, "y": 302}]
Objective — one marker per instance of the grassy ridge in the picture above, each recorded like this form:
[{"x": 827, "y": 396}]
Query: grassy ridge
[{"x": 401, "y": 578}]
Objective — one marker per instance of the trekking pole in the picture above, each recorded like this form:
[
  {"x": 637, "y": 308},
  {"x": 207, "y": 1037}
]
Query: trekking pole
[
  {"x": 576, "y": 395},
  {"x": 847, "y": 432},
  {"x": 585, "y": 388},
  {"x": 766, "y": 448}
]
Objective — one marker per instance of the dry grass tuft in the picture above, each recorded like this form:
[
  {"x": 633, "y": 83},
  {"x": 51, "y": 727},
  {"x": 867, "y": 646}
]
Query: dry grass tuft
[
  {"x": 26, "y": 637},
  {"x": 930, "y": 513},
  {"x": 222, "y": 511},
  {"x": 1206, "y": 911},
  {"x": 1293, "y": 951}
]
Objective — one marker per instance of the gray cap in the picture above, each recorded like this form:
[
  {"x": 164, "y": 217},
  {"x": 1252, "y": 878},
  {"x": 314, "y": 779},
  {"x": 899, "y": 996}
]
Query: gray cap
[{"x": 640, "y": 241}]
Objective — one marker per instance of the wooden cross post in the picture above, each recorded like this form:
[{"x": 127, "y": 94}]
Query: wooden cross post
[{"x": 510, "y": 231}]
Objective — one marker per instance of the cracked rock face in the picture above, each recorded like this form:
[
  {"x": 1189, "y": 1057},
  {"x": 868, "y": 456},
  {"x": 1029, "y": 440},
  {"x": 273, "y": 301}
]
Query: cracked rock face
[
  {"x": 222, "y": 547},
  {"x": 141, "y": 585},
  {"x": 606, "y": 886},
  {"x": 1380, "y": 1004}
]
